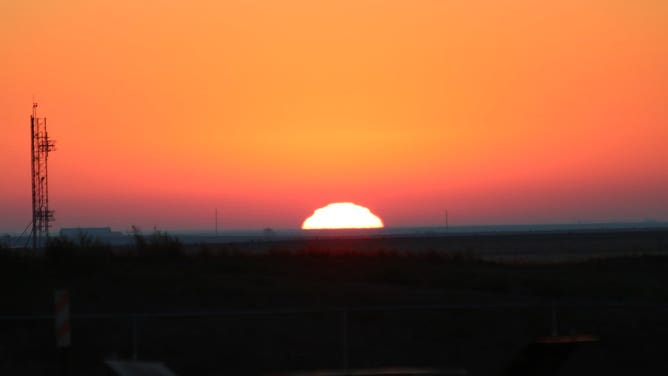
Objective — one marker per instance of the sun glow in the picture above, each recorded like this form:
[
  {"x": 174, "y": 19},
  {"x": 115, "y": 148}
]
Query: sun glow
[{"x": 341, "y": 215}]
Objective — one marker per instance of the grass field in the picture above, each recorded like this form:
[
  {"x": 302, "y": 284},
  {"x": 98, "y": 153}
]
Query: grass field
[{"x": 281, "y": 308}]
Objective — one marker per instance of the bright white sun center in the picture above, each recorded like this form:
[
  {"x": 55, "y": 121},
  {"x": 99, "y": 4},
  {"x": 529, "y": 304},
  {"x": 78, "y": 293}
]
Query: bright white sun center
[{"x": 342, "y": 215}]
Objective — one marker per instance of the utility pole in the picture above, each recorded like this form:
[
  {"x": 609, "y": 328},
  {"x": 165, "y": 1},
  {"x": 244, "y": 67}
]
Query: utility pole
[{"x": 216, "y": 221}]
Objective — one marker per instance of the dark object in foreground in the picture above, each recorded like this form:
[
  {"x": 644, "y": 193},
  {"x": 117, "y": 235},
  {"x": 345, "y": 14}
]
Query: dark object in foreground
[
  {"x": 546, "y": 355},
  {"x": 381, "y": 371},
  {"x": 135, "y": 368}
]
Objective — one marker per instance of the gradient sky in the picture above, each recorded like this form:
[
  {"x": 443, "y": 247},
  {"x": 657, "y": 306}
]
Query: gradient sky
[{"x": 501, "y": 111}]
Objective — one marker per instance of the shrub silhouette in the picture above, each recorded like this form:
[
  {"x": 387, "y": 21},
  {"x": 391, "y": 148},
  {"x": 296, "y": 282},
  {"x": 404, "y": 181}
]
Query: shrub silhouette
[
  {"x": 85, "y": 251},
  {"x": 160, "y": 244}
]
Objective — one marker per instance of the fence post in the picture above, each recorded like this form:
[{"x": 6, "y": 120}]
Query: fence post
[
  {"x": 555, "y": 327},
  {"x": 134, "y": 337},
  {"x": 344, "y": 338},
  {"x": 62, "y": 325}
]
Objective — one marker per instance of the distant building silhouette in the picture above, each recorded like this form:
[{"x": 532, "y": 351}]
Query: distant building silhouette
[{"x": 102, "y": 233}]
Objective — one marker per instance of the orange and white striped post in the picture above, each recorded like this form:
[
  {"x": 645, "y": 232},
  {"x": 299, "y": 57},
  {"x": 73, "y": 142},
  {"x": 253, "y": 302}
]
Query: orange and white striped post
[{"x": 62, "y": 318}]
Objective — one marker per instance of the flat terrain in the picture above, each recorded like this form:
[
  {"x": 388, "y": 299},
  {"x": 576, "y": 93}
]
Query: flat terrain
[{"x": 469, "y": 302}]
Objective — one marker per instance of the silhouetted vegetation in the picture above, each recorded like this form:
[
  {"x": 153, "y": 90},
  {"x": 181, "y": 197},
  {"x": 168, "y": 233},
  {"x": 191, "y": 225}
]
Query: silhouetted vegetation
[
  {"x": 4, "y": 242},
  {"x": 160, "y": 274},
  {"x": 6, "y": 253},
  {"x": 85, "y": 253},
  {"x": 158, "y": 245}
]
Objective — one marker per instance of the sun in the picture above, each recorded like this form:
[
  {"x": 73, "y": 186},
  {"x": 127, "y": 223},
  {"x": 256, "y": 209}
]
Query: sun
[{"x": 341, "y": 215}]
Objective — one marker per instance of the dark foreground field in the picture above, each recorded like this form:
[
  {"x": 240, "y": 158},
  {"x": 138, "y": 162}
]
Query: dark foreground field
[{"x": 474, "y": 304}]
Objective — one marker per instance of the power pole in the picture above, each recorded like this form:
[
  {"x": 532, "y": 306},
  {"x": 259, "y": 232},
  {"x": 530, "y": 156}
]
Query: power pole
[{"x": 216, "y": 221}]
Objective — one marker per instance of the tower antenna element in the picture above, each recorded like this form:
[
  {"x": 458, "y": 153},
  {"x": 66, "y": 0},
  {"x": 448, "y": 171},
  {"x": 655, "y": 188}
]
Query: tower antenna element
[{"x": 40, "y": 146}]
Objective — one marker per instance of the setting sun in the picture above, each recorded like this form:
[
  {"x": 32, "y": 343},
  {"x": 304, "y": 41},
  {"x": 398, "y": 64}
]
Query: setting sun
[{"x": 342, "y": 215}]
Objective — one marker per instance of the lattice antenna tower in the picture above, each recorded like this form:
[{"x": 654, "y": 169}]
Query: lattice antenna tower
[{"x": 40, "y": 147}]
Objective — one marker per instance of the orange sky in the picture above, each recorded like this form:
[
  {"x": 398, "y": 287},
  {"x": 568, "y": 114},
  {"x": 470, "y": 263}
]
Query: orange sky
[{"x": 501, "y": 111}]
